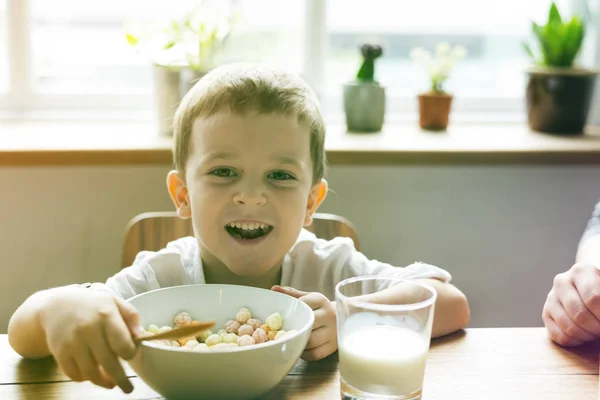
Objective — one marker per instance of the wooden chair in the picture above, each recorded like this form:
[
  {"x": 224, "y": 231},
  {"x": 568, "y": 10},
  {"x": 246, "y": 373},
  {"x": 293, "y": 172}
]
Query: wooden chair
[{"x": 153, "y": 230}]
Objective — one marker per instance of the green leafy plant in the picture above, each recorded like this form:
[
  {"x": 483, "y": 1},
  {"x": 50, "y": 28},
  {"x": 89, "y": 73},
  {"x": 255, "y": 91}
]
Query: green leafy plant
[
  {"x": 194, "y": 41},
  {"x": 559, "y": 41},
  {"x": 370, "y": 53}
]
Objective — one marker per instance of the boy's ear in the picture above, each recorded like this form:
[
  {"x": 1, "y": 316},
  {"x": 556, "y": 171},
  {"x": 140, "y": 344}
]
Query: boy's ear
[
  {"x": 179, "y": 194},
  {"x": 315, "y": 198}
]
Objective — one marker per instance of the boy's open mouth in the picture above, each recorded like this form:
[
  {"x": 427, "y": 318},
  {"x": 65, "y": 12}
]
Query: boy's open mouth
[{"x": 248, "y": 231}]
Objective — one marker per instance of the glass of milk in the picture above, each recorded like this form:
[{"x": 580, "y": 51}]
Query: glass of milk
[{"x": 384, "y": 329}]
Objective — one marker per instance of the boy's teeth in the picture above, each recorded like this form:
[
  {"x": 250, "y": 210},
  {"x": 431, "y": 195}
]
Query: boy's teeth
[{"x": 248, "y": 226}]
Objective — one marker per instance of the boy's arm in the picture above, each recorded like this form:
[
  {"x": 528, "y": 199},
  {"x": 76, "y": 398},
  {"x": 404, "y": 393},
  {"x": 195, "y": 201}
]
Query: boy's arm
[
  {"x": 451, "y": 308},
  {"x": 451, "y": 311}
]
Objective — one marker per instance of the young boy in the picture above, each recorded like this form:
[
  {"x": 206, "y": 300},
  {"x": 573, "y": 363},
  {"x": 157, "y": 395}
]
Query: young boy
[{"x": 250, "y": 160}]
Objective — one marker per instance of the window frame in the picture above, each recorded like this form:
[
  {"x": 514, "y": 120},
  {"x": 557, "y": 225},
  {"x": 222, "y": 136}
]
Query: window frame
[{"x": 21, "y": 98}]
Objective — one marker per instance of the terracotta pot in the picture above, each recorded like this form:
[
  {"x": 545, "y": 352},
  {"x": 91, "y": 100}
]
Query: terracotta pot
[
  {"x": 559, "y": 100},
  {"x": 434, "y": 111}
]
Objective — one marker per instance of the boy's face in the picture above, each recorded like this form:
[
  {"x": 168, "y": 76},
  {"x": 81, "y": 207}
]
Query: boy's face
[{"x": 248, "y": 188}]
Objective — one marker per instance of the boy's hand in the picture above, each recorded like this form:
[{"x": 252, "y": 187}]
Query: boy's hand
[
  {"x": 87, "y": 332},
  {"x": 323, "y": 338},
  {"x": 572, "y": 310}
]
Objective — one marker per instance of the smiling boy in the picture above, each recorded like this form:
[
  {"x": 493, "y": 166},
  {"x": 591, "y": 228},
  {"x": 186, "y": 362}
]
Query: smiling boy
[{"x": 250, "y": 161}]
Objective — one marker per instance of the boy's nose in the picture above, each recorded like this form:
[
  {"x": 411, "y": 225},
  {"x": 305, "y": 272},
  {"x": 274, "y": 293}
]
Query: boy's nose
[{"x": 250, "y": 198}]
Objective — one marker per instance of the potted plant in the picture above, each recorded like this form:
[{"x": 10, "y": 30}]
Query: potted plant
[
  {"x": 181, "y": 52},
  {"x": 364, "y": 98},
  {"x": 559, "y": 93},
  {"x": 435, "y": 105}
]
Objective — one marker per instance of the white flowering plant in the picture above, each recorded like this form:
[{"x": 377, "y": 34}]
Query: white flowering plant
[
  {"x": 195, "y": 40},
  {"x": 439, "y": 64}
]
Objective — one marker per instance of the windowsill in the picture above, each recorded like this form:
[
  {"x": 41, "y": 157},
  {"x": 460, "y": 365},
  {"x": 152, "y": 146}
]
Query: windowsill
[{"x": 60, "y": 143}]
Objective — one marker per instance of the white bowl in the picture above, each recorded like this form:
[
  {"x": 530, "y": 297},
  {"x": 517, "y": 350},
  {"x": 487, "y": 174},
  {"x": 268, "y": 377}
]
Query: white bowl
[{"x": 228, "y": 373}]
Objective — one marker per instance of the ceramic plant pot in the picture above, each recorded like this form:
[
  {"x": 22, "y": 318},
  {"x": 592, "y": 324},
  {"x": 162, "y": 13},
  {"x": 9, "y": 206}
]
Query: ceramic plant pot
[
  {"x": 364, "y": 106},
  {"x": 166, "y": 97},
  {"x": 171, "y": 83},
  {"x": 434, "y": 111},
  {"x": 559, "y": 100},
  {"x": 188, "y": 79}
]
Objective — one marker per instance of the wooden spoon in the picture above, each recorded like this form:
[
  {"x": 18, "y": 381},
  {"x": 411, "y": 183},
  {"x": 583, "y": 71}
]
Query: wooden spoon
[{"x": 176, "y": 333}]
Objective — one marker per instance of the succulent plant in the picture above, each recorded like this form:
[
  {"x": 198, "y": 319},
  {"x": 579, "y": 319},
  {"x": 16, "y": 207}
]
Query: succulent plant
[
  {"x": 559, "y": 41},
  {"x": 370, "y": 53}
]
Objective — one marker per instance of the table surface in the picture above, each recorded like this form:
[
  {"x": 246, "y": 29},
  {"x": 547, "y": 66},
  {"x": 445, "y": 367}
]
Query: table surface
[{"x": 492, "y": 363}]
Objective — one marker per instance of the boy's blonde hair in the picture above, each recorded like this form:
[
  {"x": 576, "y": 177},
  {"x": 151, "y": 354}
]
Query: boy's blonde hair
[{"x": 250, "y": 88}]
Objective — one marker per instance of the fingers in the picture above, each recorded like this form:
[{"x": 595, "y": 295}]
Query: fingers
[
  {"x": 290, "y": 291},
  {"x": 318, "y": 337},
  {"x": 88, "y": 365},
  {"x": 586, "y": 279},
  {"x": 319, "y": 353},
  {"x": 577, "y": 311},
  {"x": 70, "y": 368},
  {"x": 314, "y": 300},
  {"x": 323, "y": 317},
  {"x": 557, "y": 335},
  {"x": 129, "y": 315},
  {"x": 568, "y": 326},
  {"x": 118, "y": 335},
  {"x": 107, "y": 359}
]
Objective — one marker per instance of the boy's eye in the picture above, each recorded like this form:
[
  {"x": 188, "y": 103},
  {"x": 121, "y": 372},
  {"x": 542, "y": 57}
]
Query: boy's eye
[
  {"x": 281, "y": 176},
  {"x": 223, "y": 172}
]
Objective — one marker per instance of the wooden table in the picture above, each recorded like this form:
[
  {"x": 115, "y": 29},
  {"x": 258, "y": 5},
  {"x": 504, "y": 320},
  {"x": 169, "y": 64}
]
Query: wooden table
[{"x": 489, "y": 364}]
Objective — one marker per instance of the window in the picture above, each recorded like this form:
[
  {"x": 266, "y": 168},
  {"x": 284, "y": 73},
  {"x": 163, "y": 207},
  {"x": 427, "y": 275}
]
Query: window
[
  {"x": 491, "y": 31},
  {"x": 70, "y": 54},
  {"x": 3, "y": 50},
  {"x": 80, "y": 47}
]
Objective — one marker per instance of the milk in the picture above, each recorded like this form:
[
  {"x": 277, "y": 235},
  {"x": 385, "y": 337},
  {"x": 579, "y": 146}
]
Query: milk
[{"x": 383, "y": 359}]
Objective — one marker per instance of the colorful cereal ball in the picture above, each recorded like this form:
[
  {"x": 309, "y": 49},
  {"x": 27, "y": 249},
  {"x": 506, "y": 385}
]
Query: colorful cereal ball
[
  {"x": 165, "y": 328},
  {"x": 213, "y": 340},
  {"x": 182, "y": 319},
  {"x": 260, "y": 336},
  {"x": 184, "y": 341},
  {"x": 245, "y": 340},
  {"x": 201, "y": 347},
  {"x": 230, "y": 338},
  {"x": 271, "y": 335},
  {"x": 204, "y": 334},
  {"x": 274, "y": 321},
  {"x": 265, "y": 328},
  {"x": 243, "y": 315},
  {"x": 153, "y": 328},
  {"x": 246, "y": 329},
  {"x": 191, "y": 344},
  {"x": 255, "y": 323},
  {"x": 222, "y": 332},
  {"x": 232, "y": 326}
]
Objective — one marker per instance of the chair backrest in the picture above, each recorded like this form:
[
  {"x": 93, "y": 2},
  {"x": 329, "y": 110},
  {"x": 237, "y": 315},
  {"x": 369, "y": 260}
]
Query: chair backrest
[{"x": 153, "y": 230}]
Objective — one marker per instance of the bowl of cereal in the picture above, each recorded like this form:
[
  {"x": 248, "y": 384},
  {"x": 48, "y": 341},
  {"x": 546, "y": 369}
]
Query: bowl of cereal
[{"x": 258, "y": 337}]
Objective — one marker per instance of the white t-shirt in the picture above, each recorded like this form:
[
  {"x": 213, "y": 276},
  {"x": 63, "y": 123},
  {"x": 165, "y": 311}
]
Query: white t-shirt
[{"x": 311, "y": 265}]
